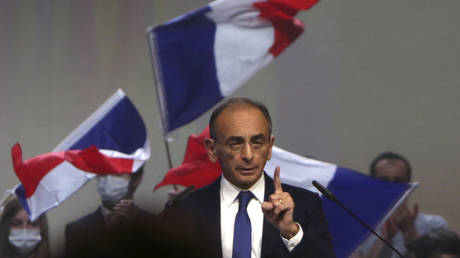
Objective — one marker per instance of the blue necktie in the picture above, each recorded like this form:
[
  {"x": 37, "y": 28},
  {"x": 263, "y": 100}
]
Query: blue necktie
[{"x": 242, "y": 235}]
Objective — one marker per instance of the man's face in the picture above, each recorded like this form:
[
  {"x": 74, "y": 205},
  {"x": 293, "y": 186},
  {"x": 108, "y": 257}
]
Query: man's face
[
  {"x": 242, "y": 144},
  {"x": 393, "y": 170},
  {"x": 115, "y": 187}
]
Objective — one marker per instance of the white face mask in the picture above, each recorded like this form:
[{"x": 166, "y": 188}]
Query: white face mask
[
  {"x": 112, "y": 188},
  {"x": 24, "y": 240}
]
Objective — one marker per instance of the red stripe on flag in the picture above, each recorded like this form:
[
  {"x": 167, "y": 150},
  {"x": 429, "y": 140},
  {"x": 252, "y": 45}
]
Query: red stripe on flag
[
  {"x": 281, "y": 14},
  {"x": 32, "y": 171},
  {"x": 196, "y": 169},
  {"x": 93, "y": 161}
]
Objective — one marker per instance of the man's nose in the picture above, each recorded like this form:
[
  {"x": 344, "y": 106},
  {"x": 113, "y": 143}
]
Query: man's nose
[{"x": 247, "y": 152}]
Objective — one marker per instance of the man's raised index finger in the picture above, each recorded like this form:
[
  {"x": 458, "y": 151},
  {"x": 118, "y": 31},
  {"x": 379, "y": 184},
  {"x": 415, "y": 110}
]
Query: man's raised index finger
[{"x": 277, "y": 181}]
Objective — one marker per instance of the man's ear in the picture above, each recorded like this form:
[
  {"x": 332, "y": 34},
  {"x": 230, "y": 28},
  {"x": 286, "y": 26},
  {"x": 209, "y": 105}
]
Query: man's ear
[
  {"x": 271, "y": 142},
  {"x": 210, "y": 149}
]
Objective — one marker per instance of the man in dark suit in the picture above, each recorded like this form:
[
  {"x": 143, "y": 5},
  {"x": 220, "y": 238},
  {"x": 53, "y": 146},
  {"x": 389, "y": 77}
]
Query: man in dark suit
[
  {"x": 111, "y": 230},
  {"x": 245, "y": 213}
]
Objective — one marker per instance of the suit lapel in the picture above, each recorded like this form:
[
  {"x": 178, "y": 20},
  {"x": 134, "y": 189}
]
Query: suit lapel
[
  {"x": 212, "y": 211},
  {"x": 98, "y": 221}
]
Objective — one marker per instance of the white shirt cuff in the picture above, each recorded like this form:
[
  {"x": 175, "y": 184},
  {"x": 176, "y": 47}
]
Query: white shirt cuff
[{"x": 295, "y": 240}]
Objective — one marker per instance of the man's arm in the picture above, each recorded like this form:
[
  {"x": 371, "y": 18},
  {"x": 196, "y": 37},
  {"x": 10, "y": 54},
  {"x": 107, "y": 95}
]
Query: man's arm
[{"x": 405, "y": 219}]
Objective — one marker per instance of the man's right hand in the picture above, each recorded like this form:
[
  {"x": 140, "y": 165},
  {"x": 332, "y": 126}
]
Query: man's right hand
[
  {"x": 405, "y": 219},
  {"x": 389, "y": 229},
  {"x": 126, "y": 208}
]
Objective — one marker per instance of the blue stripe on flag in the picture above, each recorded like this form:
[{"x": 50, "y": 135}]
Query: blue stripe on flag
[
  {"x": 368, "y": 198},
  {"x": 121, "y": 129},
  {"x": 21, "y": 194},
  {"x": 187, "y": 63}
]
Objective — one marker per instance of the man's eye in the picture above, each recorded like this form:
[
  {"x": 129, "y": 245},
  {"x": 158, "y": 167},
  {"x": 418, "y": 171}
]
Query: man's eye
[
  {"x": 385, "y": 178},
  {"x": 399, "y": 180},
  {"x": 234, "y": 145},
  {"x": 258, "y": 143}
]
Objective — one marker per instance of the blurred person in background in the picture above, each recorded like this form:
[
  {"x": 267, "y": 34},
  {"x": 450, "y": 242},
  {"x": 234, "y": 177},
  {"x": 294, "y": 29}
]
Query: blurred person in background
[
  {"x": 98, "y": 233},
  {"x": 20, "y": 237},
  {"x": 406, "y": 224}
]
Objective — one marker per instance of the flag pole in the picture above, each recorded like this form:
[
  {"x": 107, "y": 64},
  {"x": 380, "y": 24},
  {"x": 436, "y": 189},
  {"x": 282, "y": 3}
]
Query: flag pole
[
  {"x": 168, "y": 153},
  {"x": 159, "y": 92}
]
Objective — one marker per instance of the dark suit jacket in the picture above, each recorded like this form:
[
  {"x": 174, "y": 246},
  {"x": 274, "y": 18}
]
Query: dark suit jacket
[
  {"x": 89, "y": 237},
  {"x": 201, "y": 211}
]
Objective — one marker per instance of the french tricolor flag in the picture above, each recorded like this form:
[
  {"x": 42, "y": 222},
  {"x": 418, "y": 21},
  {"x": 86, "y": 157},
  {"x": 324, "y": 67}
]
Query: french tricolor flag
[
  {"x": 370, "y": 199},
  {"x": 203, "y": 56},
  {"x": 111, "y": 140}
]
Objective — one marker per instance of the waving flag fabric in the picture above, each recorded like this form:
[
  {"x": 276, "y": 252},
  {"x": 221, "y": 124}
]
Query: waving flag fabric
[
  {"x": 197, "y": 169},
  {"x": 205, "y": 55},
  {"x": 371, "y": 199},
  {"x": 112, "y": 140}
]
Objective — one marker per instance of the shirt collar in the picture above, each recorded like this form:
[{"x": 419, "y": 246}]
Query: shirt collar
[{"x": 229, "y": 191}]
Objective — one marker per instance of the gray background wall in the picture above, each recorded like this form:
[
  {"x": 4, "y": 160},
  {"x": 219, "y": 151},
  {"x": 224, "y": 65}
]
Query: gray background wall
[{"x": 365, "y": 77}]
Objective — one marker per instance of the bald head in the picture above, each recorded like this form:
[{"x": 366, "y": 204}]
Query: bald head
[{"x": 236, "y": 104}]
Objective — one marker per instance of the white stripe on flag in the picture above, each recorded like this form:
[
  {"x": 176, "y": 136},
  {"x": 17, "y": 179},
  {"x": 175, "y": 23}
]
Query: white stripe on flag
[
  {"x": 56, "y": 185},
  {"x": 247, "y": 36},
  {"x": 299, "y": 171}
]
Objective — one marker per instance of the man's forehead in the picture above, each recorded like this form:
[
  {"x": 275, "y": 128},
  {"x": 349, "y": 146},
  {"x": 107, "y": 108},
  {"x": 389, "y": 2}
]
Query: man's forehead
[
  {"x": 242, "y": 121},
  {"x": 391, "y": 166}
]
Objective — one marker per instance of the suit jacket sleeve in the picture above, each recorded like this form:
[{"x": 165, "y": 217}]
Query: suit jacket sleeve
[{"x": 316, "y": 241}]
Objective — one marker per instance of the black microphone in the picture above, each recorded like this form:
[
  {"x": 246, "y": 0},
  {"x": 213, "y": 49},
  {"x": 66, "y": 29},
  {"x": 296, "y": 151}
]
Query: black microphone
[
  {"x": 324, "y": 191},
  {"x": 329, "y": 195}
]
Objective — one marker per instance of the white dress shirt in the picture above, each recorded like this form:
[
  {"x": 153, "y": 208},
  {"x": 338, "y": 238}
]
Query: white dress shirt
[{"x": 228, "y": 210}]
